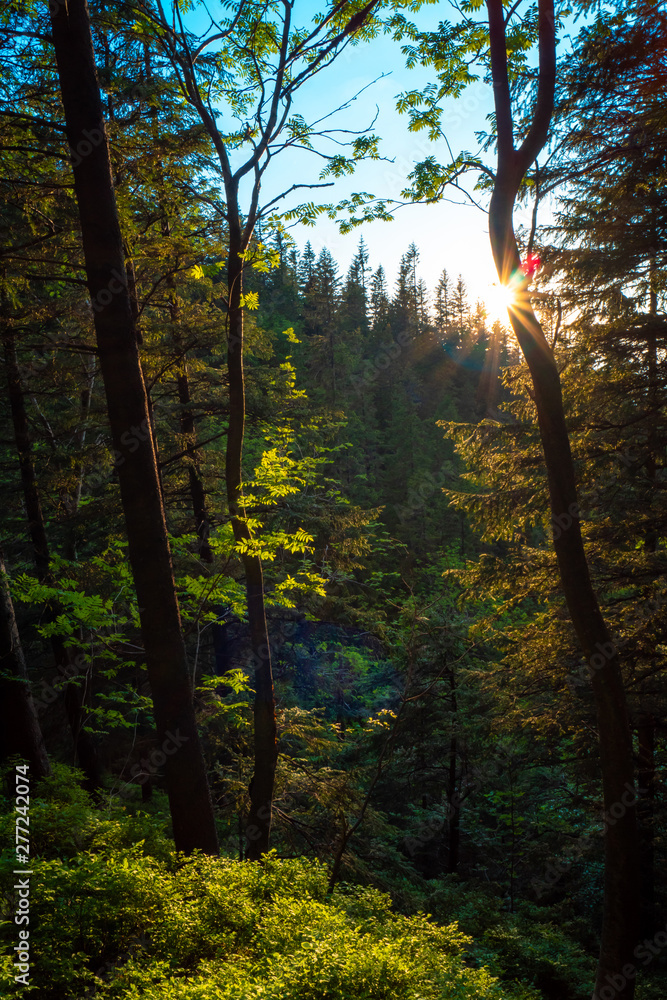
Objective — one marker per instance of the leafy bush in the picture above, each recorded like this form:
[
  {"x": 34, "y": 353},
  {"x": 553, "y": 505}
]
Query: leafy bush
[
  {"x": 62, "y": 817},
  {"x": 116, "y": 923},
  {"x": 116, "y": 914}
]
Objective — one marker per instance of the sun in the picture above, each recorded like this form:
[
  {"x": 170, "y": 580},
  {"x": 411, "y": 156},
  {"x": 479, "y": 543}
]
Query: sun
[{"x": 498, "y": 299}]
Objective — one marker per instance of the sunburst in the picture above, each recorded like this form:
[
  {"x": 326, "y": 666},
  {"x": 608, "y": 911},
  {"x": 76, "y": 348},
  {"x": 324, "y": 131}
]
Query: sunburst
[{"x": 498, "y": 299}]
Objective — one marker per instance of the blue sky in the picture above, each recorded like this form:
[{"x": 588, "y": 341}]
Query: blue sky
[{"x": 451, "y": 236}]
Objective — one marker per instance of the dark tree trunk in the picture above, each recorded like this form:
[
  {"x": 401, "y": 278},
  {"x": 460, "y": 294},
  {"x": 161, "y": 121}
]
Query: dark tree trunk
[
  {"x": 646, "y": 815},
  {"x": 270, "y": 127},
  {"x": 134, "y": 307},
  {"x": 22, "y": 438},
  {"x": 74, "y": 500},
  {"x": 150, "y": 557},
  {"x": 187, "y": 421},
  {"x": 266, "y": 752},
  {"x": 195, "y": 481},
  {"x": 653, "y": 407},
  {"x": 20, "y": 732},
  {"x": 621, "y": 898},
  {"x": 619, "y": 933},
  {"x": 85, "y": 747},
  {"x": 453, "y": 798}
]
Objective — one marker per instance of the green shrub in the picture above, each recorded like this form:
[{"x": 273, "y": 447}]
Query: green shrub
[{"x": 122, "y": 925}]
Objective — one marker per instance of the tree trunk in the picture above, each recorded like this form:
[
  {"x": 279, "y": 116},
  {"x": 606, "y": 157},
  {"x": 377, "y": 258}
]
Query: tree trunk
[
  {"x": 266, "y": 752},
  {"x": 20, "y": 732},
  {"x": 149, "y": 553},
  {"x": 187, "y": 422},
  {"x": 195, "y": 481},
  {"x": 85, "y": 401},
  {"x": 653, "y": 407},
  {"x": 621, "y": 898},
  {"x": 646, "y": 816},
  {"x": 85, "y": 747},
  {"x": 619, "y": 931},
  {"x": 134, "y": 307},
  {"x": 453, "y": 798}
]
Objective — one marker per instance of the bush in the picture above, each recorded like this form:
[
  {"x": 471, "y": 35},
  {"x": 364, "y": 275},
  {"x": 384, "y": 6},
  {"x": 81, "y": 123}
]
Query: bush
[{"x": 121, "y": 925}]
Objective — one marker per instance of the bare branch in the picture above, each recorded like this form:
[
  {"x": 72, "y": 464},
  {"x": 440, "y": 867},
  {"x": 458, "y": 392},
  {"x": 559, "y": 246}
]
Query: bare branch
[{"x": 284, "y": 194}]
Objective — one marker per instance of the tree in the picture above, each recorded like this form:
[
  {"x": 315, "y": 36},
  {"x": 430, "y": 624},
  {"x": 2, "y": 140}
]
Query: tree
[
  {"x": 606, "y": 258},
  {"x": 149, "y": 553},
  {"x": 611, "y": 231},
  {"x": 84, "y": 744},
  {"x": 354, "y": 305},
  {"x": 272, "y": 59},
  {"x": 443, "y": 305},
  {"x": 619, "y": 931},
  {"x": 321, "y": 316},
  {"x": 379, "y": 299},
  {"x": 507, "y": 38},
  {"x": 20, "y": 732}
]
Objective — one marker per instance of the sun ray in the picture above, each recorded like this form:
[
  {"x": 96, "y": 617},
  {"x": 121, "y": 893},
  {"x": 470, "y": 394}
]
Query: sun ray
[{"x": 498, "y": 299}]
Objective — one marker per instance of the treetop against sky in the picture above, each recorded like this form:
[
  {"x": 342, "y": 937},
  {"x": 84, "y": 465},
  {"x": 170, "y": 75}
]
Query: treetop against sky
[{"x": 364, "y": 84}]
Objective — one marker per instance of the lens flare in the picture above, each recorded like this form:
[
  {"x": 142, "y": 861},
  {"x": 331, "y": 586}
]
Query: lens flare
[{"x": 498, "y": 299}]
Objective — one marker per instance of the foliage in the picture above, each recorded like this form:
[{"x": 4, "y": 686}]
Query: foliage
[{"x": 129, "y": 921}]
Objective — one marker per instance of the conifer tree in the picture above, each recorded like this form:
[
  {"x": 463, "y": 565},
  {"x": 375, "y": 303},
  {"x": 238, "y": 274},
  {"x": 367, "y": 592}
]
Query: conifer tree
[{"x": 443, "y": 305}]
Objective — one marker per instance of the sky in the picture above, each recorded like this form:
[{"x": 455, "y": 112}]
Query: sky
[{"x": 449, "y": 236}]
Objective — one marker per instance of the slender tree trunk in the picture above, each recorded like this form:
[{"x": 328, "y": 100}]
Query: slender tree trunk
[
  {"x": 134, "y": 306},
  {"x": 266, "y": 752},
  {"x": 646, "y": 815},
  {"x": 85, "y": 400},
  {"x": 20, "y": 732},
  {"x": 621, "y": 897},
  {"x": 195, "y": 481},
  {"x": 85, "y": 748},
  {"x": 22, "y": 438},
  {"x": 453, "y": 800},
  {"x": 150, "y": 557},
  {"x": 619, "y": 931},
  {"x": 332, "y": 355},
  {"x": 187, "y": 422},
  {"x": 653, "y": 403}
]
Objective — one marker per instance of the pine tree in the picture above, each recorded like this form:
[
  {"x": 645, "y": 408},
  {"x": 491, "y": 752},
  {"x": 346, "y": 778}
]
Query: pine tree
[
  {"x": 354, "y": 300},
  {"x": 443, "y": 306},
  {"x": 320, "y": 309},
  {"x": 379, "y": 299},
  {"x": 460, "y": 307},
  {"x": 306, "y": 267}
]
